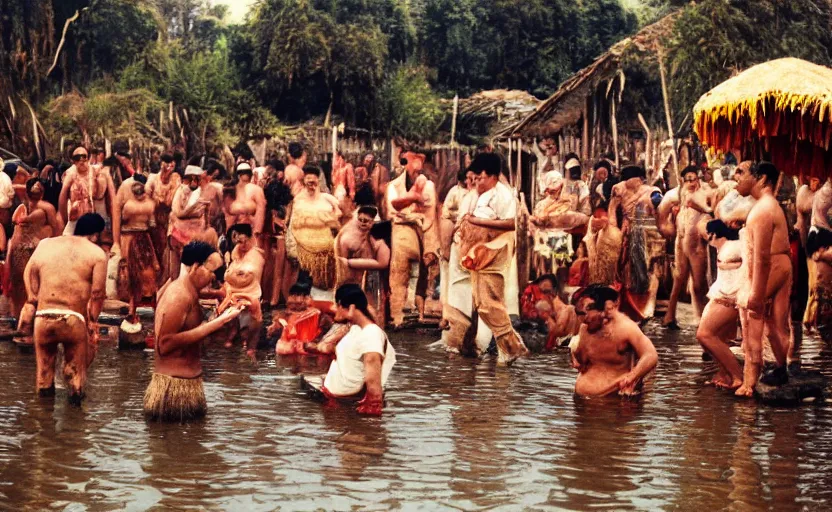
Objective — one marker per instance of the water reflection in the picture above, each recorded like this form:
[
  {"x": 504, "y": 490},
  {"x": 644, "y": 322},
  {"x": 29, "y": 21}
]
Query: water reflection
[{"x": 456, "y": 434}]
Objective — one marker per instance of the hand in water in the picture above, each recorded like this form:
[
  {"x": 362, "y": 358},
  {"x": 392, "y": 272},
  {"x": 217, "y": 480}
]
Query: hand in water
[
  {"x": 370, "y": 405},
  {"x": 626, "y": 384},
  {"x": 231, "y": 313}
]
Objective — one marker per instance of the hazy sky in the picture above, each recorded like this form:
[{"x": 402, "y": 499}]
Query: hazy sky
[{"x": 239, "y": 8}]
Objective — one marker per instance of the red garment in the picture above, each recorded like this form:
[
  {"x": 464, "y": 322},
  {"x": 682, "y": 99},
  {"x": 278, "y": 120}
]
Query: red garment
[
  {"x": 528, "y": 302},
  {"x": 579, "y": 273}
]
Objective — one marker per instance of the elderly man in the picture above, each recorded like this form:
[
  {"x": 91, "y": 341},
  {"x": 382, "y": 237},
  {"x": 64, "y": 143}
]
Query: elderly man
[
  {"x": 65, "y": 280},
  {"x": 411, "y": 206},
  {"x": 764, "y": 294}
]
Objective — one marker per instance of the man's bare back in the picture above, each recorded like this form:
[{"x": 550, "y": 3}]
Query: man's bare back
[{"x": 821, "y": 204}]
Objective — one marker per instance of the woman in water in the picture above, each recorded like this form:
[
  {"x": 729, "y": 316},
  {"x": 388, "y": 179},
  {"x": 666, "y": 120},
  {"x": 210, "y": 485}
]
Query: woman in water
[
  {"x": 719, "y": 319},
  {"x": 242, "y": 286},
  {"x": 33, "y": 221},
  {"x": 314, "y": 216}
]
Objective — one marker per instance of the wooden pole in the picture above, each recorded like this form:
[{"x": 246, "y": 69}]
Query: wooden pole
[
  {"x": 453, "y": 119},
  {"x": 614, "y": 132},
  {"x": 585, "y": 139},
  {"x": 666, "y": 98},
  {"x": 519, "y": 178},
  {"x": 647, "y": 143},
  {"x": 508, "y": 160}
]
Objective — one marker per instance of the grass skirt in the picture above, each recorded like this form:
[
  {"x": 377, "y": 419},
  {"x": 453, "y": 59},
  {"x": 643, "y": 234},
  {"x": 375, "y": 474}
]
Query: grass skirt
[
  {"x": 173, "y": 399},
  {"x": 316, "y": 255}
]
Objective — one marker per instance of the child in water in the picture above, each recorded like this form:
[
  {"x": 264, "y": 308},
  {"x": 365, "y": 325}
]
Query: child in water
[{"x": 300, "y": 326}]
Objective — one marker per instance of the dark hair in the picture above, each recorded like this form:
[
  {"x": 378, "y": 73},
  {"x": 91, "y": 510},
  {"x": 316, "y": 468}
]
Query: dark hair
[
  {"x": 10, "y": 169},
  {"x": 602, "y": 163},
  {"x": 295, "y": 150},
  {"x": 575, "y": 172},
  {"x": 311, "y": 169},
  {"x": 167, "y": 158},
  {"x": 248, "y": 171},
  {"x": 402, "y": 161},
  {"x": 372, "y": 211},
  {"x": 352, "y": 295},
  {"x": 111, "y": 161},
  {"x": 489, "y": 163},
  {"x": 768, "y": 170},
  {"x": 570, "y": 156},
  {"x": 30, "y": 184},
  {"x": 547, "y": 277},
  {"x": 95, "y": 151},
  {"x": 89, "y": 224},
  {"x": 300, "y": 289},
  {"x": 721, "y": 230},
  {"x": 599, "y": 295},
  {"x": 197, "y": 252},
  {"x": 140, "y": 178},
  {"x": 730, "y": 159},
  {"x": 276, "y": 164},
  {"x": 178, "y": 156},
  {"x": 462, "y": 175},
  {"x": 689, "y": 169},
  {"x": 242, "y": 229},
  {"x": 632, "y": 171},
  {"x": 819, "y": 238}
]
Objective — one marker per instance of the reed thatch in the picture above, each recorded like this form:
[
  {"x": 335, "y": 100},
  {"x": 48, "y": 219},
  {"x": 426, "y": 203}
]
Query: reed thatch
[
  {"x": 782, "y": 108},
  {"x": 566, "y": 106}
]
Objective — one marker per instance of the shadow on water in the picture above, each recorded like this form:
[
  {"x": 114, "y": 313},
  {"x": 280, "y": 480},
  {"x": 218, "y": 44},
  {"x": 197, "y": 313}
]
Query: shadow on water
[{"x": 456, "y": 434}]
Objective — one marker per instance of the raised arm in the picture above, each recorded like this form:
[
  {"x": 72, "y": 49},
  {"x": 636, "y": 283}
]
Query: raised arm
[
  {"x": 380, "y": 262},
  {"x": 665, "y": 214}
]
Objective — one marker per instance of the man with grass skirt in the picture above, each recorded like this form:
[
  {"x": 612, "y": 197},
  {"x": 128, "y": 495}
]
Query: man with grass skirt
[{"x": 175, "y": 392}]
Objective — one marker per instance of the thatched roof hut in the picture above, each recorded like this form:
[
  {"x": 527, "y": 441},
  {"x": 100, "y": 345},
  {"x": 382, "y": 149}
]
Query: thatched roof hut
[
  {"x": 782, "y": 107},
  {"x": 567, "y": 106},
  {"x": 487, "y": 113}
]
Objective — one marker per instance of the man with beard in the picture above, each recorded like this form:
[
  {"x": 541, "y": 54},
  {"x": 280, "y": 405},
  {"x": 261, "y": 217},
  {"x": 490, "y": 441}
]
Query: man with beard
[
  {"x": 65, "y": 281},
  {"x": 764, "y": 294},
  {"x": 613, "y": 355}
]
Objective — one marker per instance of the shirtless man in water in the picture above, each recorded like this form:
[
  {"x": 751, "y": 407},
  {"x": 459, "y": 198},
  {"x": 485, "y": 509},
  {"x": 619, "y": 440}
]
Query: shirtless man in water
[
  {"x": 357, "y": 251},
  {"x": 763, "y": 298},
  {"x": 613, "y": 355},
  {"x": 65, "y": 285},
  {"x": 175, "y": 391}
]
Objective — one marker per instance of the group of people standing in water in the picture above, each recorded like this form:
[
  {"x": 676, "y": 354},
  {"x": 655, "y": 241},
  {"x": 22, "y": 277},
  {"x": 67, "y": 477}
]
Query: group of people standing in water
[{"x": 331, "y": 262}]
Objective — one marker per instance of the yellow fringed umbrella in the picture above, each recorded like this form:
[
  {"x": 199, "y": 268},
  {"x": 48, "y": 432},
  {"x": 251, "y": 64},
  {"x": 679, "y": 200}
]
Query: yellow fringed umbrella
[{"x": 782, "y": 107}]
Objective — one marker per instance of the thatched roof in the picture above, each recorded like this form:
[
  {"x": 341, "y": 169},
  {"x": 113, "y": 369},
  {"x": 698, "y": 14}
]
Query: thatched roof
[
  {"x": 565, "y": 107},
  {"x": 786, "y": 104},
  {"x": 485, "y": 113}
]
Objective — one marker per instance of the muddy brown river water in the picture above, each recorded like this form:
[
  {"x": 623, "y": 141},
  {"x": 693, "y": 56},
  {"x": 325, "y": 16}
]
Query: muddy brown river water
[{"x": 455, "y": 435}]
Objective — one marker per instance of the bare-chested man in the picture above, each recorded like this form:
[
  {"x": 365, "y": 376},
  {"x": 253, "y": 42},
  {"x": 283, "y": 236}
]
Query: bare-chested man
[
  {"x": 693, "y": 202},
  {"x": 175, "y": 391},
  {"x": 136, "y": 244},
  {"x": 612, "y": 355},
  {"x": 293, "y": 175},
  {"x": 65, "y": 284},
  {"x": 763, "y": 298},
  {"x": 643, "y": 246}
]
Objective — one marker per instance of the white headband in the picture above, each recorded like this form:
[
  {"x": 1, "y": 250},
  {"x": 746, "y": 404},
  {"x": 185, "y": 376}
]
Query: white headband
[{"x": 193, "y": 170}]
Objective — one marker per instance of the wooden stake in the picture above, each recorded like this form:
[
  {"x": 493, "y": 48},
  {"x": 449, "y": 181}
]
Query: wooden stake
[
  {"x": 453, "y": 120},
  {"x": 666, "y": 98},
  {"x": 614, "y": 131}
]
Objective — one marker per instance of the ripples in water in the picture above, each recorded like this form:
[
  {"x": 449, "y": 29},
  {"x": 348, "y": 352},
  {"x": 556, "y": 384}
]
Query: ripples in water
[{"x": 456, "y": 434}]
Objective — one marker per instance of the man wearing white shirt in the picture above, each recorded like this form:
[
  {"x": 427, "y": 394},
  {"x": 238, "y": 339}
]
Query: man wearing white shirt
[{"x": 487, "y": 239}]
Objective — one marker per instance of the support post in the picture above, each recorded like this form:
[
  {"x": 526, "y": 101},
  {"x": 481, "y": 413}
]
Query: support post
[{"x": 666, "y": 97}]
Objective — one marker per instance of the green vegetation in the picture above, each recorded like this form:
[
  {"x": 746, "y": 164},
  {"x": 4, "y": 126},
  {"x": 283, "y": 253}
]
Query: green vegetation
[{"x": 176, "y": 71}]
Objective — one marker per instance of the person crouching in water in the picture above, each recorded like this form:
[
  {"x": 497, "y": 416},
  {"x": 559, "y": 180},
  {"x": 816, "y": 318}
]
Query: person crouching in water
[
  {"x": 175, "y": 391},
  {"x": 364, "y": 358},
  {"x": 612, "y": 355},
  {"x": 300, "y": 326}
]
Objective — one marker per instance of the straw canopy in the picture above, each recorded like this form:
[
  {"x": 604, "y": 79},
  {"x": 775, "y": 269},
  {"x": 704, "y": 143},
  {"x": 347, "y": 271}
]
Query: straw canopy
[{"x": 782, "y": 107}]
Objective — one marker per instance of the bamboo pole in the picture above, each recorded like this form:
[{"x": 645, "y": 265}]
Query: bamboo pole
[
  {"x": 585, "y": 139},
  {"x": 666, "y": 97},
  {"x": 647, "y": 143},
  {"x": 519, "y": 164},
  {"x": 453, "y": 119}
]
